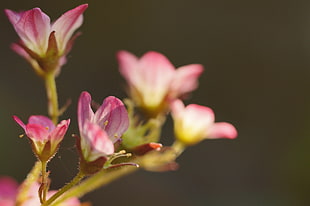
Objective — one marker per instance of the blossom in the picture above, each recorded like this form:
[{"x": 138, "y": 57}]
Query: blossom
[
  {"x": 44, "y": 136},
  {"x": 8, "y": 191},
  {"x": 153, "y": 81},
  {"x": 194, "y": 123},
  {"x": 100, "y": 130},
  {"x": 43, "y": 44}
]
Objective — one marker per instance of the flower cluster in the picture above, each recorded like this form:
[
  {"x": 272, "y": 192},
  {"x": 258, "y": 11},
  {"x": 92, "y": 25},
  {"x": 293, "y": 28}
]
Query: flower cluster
[{"x": 124, "y": 136}]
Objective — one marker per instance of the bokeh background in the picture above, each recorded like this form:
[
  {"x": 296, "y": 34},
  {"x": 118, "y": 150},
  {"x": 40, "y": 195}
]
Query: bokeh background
[{"x": 257, "y": 70}]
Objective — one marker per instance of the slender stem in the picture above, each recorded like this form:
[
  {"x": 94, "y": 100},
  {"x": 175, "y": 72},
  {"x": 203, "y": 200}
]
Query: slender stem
[
  {"x": 52, "y": 98},
  {"x": 94, "y": 182},
  {"x": 68, "y": 186},
  {"x": 104, "y": 177},
  {"x": 43, "y": 190},
  {"x": 28, "y": 182}
]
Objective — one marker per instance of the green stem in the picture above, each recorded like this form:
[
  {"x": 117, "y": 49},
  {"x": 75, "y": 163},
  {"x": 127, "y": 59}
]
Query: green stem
[
  {"x": 68, "y": 186},
  {"x": 44, "y": 188},
  {"x": 94, "y": 182},
  {"x": 104, "y": 177},
  {"x": 52, "y": 98}
]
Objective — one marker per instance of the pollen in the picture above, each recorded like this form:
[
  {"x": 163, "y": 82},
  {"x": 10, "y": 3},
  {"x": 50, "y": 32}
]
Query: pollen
[{"x": 106, "y": 123}]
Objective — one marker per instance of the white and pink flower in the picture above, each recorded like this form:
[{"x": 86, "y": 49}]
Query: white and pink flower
[
  {"x": 153, "y": 81},
  {"x": 194, "y": 123},
  {"x": 44, "y": 136},
  {"x": 42, "y": 42},
  {"x": 100, "y": 130}
]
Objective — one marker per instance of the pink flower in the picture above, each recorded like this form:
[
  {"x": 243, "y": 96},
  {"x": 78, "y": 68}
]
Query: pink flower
[
  {"x": 153, "y": 81},
  {"x": 100, "y": 130},
  {"x": 194, "y": 123},
  {"x": 42, "y": 43},
  {"x": 43, "y": 135},
  {"x": 8, "y": 191}
]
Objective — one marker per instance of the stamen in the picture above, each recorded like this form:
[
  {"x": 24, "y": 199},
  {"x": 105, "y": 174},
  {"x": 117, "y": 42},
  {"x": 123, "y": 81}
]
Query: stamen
[
  {"x": 106, "y": 123},
  {"x": 117, "y": 155},
  {"x": 21, "y": 135}
]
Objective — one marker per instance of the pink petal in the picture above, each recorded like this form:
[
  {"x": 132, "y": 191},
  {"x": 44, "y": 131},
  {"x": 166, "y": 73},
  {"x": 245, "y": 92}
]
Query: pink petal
[
  {"x": 42, "y": 121},
  {"x": 128, "y": 65},
  {"x": 98, "y": 140},
  {"x": 33, "y": 27},
  {"x": 8, "y": 188},
  {"x": 37, "y": 132},
  {"x": 19, "y": 50},
  {"x": 112, "y": 116},
  {"x": 85, "y": 113},
  {"x": 7, "y": 202},
  {"x": 156, "y": 71},
  {"x": 59, "y": 132},
  {"x": 18, "y": 121},
  {"x": 222, "y": 130},
  {"x": 197, "y": 114},
  {"x": 192, "y": 114},
  {"x": 13, "y": 16},
  {"x": 186, "y": 79},
  {"x": 65, "y": 25}
]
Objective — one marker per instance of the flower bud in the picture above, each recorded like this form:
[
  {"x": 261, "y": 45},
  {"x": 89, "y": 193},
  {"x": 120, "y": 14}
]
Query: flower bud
[{"x": 44, "y": 136}]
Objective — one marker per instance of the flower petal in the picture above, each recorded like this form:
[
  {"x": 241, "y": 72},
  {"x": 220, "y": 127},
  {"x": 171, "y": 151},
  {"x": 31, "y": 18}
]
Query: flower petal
[
  {"x": 8, "y": 188},
  {"x": 112, "y": 116},
  {"x": 156, "y": 74},
  {"x": 33, "y": 27},
  {"x": 65, "y": 25},
  {"x": 185, "y": 79},
  {"x": 13, "y": 16},
  {"x": 20, "y": 122},
  {"x": 37, "y": 133},
  {"x": 58, "y": 133},
  {"x": 128, "y": 66},
  {"x": 42, "y": 121},
  {"x": 222, "y": 130},
  {"x": 192, "y": 122},
  {"x": 96, "y": 141},
  {"x": 85, "y": 113}
]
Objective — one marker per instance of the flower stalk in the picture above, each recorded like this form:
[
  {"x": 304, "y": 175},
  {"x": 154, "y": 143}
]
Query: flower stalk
[
  {"x": 64, "y": 189},
  {"x": 100, "y": 179},
  {"x": 52, "y": 97}
]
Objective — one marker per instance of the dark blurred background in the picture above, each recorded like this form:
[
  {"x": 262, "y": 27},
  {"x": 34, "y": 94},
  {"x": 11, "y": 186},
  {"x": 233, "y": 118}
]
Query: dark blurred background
[{"x": 257, "y": 66}]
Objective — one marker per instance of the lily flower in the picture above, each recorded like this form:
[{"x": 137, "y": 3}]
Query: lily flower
[
  {"x": 100, "y": 130},
  {"x": 42, "y": 44},
  {"x": 153, "y": 81},
  {"x": 44, "y": 136},
  {"x": 194, "y": 123}
]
